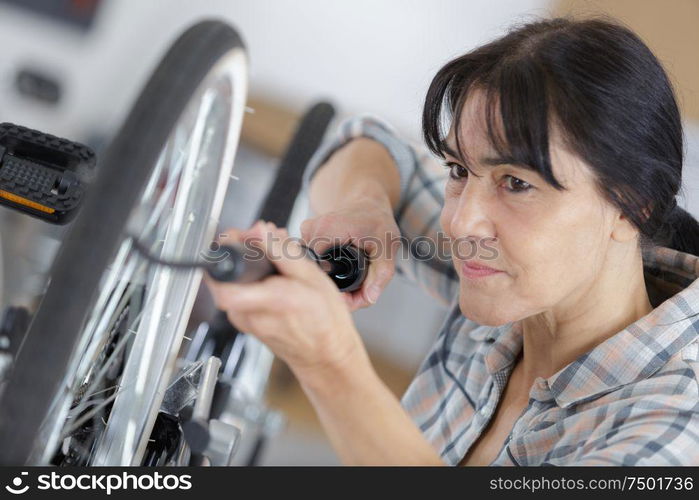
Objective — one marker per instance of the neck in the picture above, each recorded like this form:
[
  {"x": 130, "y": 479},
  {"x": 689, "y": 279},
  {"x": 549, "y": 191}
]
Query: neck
[{"x": 555, "y": 338}]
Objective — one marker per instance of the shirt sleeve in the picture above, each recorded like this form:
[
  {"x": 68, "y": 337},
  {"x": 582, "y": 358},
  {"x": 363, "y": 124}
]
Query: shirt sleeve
[{"x": 424, "y": 256}]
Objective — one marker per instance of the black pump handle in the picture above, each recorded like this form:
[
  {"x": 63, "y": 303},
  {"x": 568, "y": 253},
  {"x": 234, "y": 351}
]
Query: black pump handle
[{"x": 346, "y": 265}]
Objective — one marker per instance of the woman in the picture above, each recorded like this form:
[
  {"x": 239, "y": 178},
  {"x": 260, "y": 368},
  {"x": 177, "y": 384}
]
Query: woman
[{"x": 571, "y": 337}]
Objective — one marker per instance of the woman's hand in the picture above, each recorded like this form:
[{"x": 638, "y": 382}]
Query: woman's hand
[
  {"x": 301, "y": 316},
  {"x": 354, "y": 195},
  {"x": 299, "y": 313},
  {"x": 368, "y": 223}
]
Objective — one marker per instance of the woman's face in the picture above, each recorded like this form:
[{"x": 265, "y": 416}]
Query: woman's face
[{"x": 549, "y": 244}]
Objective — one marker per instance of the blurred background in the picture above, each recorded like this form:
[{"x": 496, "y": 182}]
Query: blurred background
[{"x": 73, "y": 68}]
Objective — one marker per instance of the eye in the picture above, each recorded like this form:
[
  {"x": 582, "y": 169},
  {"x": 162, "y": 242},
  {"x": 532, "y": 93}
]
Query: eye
[
  {"x": 517, "y": 185},
  {"x": 456, "y": 171}
]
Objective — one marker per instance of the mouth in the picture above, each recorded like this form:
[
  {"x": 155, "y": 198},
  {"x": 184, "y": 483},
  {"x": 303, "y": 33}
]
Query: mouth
[{"x": 472, "y": 270}]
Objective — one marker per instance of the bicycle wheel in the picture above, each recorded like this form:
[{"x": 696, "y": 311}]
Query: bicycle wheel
[
  {"x": 238, "y": 398},
  {"x": 89, "y": 378}
]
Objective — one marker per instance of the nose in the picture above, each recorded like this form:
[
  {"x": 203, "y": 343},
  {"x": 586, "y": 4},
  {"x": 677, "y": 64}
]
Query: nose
[{"x": 473, "y": 217}]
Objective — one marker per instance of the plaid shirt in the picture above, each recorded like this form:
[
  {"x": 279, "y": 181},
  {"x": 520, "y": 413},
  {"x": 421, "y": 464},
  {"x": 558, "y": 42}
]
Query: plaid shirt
[{"x": 631, "y": 400}]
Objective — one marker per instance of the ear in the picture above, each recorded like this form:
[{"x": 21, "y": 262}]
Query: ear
[{"x": 623, "y": 229}]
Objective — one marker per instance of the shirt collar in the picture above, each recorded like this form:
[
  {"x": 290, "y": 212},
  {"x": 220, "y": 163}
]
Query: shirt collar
[{"x": 634, "y": 353}]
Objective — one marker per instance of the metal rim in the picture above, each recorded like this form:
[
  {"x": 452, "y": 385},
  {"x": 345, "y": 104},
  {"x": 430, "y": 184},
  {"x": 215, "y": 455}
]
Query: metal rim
[{"x": 199, "y": 152}]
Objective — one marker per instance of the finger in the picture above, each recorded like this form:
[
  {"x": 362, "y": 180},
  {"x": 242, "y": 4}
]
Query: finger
[
  {"x": 261, "y": 324},
  {"x": 355, "y": 300},
  {"x": 230, "y": 235},
  {"x": 227, "y": 237},
  {"x": 219, "y": 292},
  {"x": 273, "y": 294},
  {"x": 249, "y": 322},
  {"x": 239, "y": 320},
  {"x": 307, "y": 229},
  {"x": 381, "y": 269},
  {"x": 255, "y": 233},
  {"x": 380, "y": 273},
  {"x": 320, "y": 239},
  {"x": 288, "y": 256},
  {"x": 250, "y": 239},
  {"x": 349, "y": 300},
  {"x": 321, "y": 234},
  {"x": 213, "y": 288},
  {"x": 245, "y": 298},
  {"x": 234, "y": 235}
]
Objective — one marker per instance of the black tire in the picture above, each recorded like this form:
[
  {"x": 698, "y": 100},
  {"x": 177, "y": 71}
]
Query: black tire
[
  {"x": 307, "y": 137},
  {"x": 96, "y": 233}
]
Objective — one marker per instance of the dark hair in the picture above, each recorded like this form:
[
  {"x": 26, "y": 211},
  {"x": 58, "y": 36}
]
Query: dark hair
[{"x": 609, "y": 96}]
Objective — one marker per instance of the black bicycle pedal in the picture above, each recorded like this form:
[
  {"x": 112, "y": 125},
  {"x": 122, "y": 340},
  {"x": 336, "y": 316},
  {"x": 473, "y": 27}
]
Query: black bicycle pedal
[{"x": 43, "y": 175}]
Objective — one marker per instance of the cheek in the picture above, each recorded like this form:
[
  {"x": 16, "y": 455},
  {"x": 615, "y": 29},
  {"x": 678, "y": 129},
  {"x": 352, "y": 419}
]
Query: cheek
[{"x": 555, "y": 253}]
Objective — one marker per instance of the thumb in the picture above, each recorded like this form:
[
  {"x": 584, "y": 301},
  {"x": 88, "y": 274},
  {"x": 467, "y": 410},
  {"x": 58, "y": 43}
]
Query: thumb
[
  {"x": 381, "y": 270},
  {"x": 380, "y": 274}
]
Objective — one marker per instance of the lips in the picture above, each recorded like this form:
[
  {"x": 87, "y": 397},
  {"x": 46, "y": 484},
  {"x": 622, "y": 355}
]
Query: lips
[
  {"x": 478, "y": 266},
  {"x": 476, "y": 270}
]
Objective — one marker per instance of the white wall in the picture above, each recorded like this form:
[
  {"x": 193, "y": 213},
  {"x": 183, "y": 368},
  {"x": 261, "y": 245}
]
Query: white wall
[{"x": 366, "y": 55}]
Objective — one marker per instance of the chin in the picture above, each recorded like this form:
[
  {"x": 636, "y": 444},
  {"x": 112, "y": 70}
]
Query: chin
[{"x": 485, "y": 318}]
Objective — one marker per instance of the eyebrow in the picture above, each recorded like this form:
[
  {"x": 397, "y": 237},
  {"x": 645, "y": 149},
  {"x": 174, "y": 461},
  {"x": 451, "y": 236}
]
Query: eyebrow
[{"x": 489, "y": 161}]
